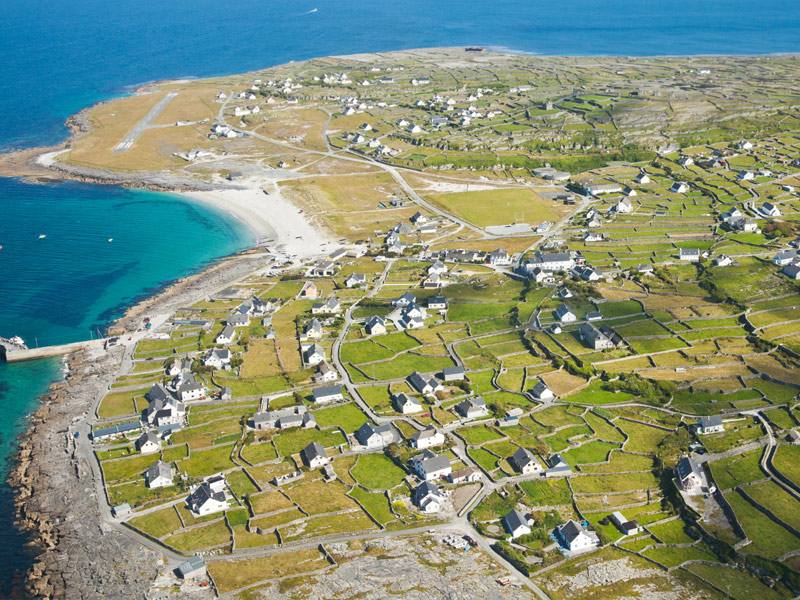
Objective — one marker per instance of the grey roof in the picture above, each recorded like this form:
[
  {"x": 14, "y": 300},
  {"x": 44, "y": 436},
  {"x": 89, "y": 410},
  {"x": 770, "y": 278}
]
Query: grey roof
[
  {"x": 148, "y": 436},
  {"x": 426, "y": 433},
  {"x": 686, "y": 467},
  {"x": 563, "y": 309},
  {"x": 615, "y": 338},
  {"x": 435, "y": 463},
  {"x": 557, "y": 462},
  {"x": 514, "y": 519},
  {"x": 328, "y": 390},
  {"x": 228, "y": 331},
  {"x": 426, "y": 488},
  {"x": 710, "y": 421},
  {"x": 522, "y": 457},
  {"x": 570, "y": 530},
  {"x": 453, "y": 371},
  {"x": 367, "y": 430},
  {"x": 195, "y": 563},
  {"x": 203, "y": 494},
  {"x": 417, "y": 381},
  {"x": 312, "y": 451},
  {"x": 555, "y": 257},
  {"x": 116, "y": 429},
  {"x": 158, "y": 392},
  {"x": 156, "y": 470},
  {"x": 540, "y": 388}
]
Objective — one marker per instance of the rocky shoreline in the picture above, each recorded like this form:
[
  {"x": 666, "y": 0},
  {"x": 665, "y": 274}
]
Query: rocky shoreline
[{"x": 81, "y": 555}]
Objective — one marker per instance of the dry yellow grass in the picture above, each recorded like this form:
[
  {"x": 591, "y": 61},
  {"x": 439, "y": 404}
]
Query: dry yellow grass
[
  {"x": 692, "y": 374},
  {"x": 301, "y": 127},
  {"x": 672, "y": 302},
  {"x": 771, "y": 366},
  {"x": 628, "y": 365},
  {"x": 261, "y": 359},
  {"x": 290, "y": 355},
  {"x": 194, "y": 102},
  {"x": 562, "y": 383}
]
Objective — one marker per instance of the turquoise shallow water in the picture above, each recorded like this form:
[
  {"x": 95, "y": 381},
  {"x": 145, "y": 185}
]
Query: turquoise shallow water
[{"x": 59, "y": 56}]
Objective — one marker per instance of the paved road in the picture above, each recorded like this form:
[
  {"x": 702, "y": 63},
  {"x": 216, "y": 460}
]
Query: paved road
[{"x": 139, "y": 128}]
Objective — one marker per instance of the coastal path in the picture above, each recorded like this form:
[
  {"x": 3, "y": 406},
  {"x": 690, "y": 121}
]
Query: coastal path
[{"x": 146, "y": 121}]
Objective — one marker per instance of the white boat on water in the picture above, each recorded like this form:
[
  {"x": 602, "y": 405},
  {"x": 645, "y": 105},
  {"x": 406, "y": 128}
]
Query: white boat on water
[{"x": 41, "y": 237}]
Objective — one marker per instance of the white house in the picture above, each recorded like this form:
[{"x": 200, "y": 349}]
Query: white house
[
  {"x": 330, "y": 393},
  {"x": 575, "y": 538},
  {"x": 524, "y": 462},
  {"x": 405, "y": 404},
  {"x": 689, "y": 475},
  {"x": 624, "y": 206},
  {"x": 355, "y": 280},
  {"x": 746, "y": 175},
  {"x": 427, "y": 438},
  {"x": 744, "y": 145},
  {"x": 226, "y": 336},
  {"x": 565, "y": 315},
  {"x": 314, "y": 354},
  {"x": 768, "y": 209},
  {"x": 624, "y": 525},
  {"x": 709, "y": 424},
  {"x": 209, "y": 497},
  {"x": 723, "y": 261},
  {"x": 472, "y": 408},
  {"x": 642, "y": 178},
  {"x": 516, "y": 524},
  {"x": 468, "y": 475},
  {"x": 194, "y": 390},
  {"x": 375, "y": 436},
  {"x": 453, "y": 374},
  {"x": 785, "y": 257},
  {"x": 426, "y": 385},
  {"x": 498, "y": 257},
  {"x": 685, "y": 161},
  {"x": 217, "y": 358},
  {"x": 313, "y": 456},
  {"x": 690, "y": 254},
  {"x": 158, "y": 475},
  {"x": 148, "y": 443},
  {"x": 542, "y": 392},
  {"x": 433, "y": 467},
  {"x": 325, "y": 373},
  {"x": 679, "y": 187},
  {"x": 376, "y": 325},
  {"x": 313, "y": 330},
  {"x": 428, "y": 497}
]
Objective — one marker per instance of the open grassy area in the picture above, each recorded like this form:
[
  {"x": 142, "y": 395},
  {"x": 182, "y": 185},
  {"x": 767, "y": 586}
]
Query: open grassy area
[
  {"x": 376, "y": 471},
  {"x": 481, "y": 208}
]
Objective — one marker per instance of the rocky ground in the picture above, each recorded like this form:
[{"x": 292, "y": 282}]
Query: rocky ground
[
  {"x": 411, "y": 568},
  {"x": 56, "y": 501},
  {"x": 81, "y": 555}
]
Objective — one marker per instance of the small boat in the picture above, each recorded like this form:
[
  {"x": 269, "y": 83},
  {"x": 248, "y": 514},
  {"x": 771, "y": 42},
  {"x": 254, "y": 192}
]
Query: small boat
[
  {"x": 110, "y": 239},
  {"x": 41, "y": 237}
]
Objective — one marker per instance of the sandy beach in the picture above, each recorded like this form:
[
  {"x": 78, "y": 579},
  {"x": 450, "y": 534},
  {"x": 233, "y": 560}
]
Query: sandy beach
[{"x": 275, "y": 221}]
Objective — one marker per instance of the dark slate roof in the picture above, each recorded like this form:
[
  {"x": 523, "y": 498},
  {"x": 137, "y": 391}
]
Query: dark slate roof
[
  {"x": 710, "y": 421},
  {"x": 522, "y": 457},
  {"x": 514, "y": 520},
  {"x": 312, "y": 451},
  {"x": 686, "y": 466},
  {"x": 570, "y": 530}
]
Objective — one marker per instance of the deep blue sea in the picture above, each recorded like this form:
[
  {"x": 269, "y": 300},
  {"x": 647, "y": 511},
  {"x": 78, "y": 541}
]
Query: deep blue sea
[{"x": 59, "y": 56}]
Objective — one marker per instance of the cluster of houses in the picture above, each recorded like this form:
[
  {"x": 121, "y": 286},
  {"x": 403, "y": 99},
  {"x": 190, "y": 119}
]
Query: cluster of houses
[{"x": 789, "y": 260}]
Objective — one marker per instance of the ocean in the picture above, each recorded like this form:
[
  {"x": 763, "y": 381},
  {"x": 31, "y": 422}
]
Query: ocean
[{"x": 62, "y": 55}]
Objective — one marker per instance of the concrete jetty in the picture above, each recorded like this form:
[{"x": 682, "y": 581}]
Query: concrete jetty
[{"x": 11, "y": 353}]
